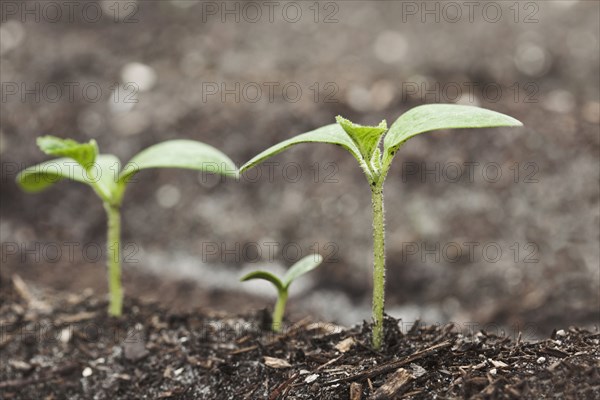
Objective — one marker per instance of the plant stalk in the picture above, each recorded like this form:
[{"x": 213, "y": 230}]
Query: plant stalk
[
  {"x": 113, "y": 260},
  {"x": 379, "y": 264},
  {"x": 279, "y": 310}
]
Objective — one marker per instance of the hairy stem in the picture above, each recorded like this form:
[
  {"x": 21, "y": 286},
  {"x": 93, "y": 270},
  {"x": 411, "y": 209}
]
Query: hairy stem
[
  {"x": 279, "y": 310},
  {"x": 379, "y": 264},
  {"x": 113, "y": 246}
]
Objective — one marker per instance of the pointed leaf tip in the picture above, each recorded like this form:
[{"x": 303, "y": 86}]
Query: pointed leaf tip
[
  {"x": 264, "y": 275},
  {"x": 41, "y": 176},
  {"x": 365, "y": 137},
  {"x": 332, "y": 133},
  {"x": 84, "y": 153},
  {"x": 302, "y": 267},
  {"x": 432, "y": 117}
]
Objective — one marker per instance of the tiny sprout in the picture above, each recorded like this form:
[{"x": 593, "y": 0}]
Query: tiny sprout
[
  {"x": 102, "y": 172},
  {"x": 303, "y": 266},
  {"x": 375, "y": 156}
]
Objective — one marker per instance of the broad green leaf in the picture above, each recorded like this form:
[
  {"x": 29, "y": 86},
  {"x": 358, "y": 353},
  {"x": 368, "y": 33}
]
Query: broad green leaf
[
  {"x": 264, "y": 275},
  {"x": 303, "y": 266},
  {"x": 441, "y": 116},
  {"x": 102, "y": 173},
  {"x": 38, "y": 177},
  {"x": 333, "y": 134},
  {"x": 366, "y": 138},
  {"x": 188, "y": 154},
  {"x": 84, "y": 153}
]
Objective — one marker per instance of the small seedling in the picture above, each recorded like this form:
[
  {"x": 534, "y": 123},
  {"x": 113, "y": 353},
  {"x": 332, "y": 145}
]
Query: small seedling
[
  {"x": 364, "y": 143},
  {"x": 303, "y": 266},
  {"x": 102, "y": 172}
]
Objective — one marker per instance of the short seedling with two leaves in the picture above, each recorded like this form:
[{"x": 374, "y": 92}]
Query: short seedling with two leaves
[
  {"x": 102, "y": 172},
  {"x": 282, "y": 285}
]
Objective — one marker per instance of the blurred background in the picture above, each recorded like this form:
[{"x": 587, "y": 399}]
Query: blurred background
[{"x": 495, "y": 229}]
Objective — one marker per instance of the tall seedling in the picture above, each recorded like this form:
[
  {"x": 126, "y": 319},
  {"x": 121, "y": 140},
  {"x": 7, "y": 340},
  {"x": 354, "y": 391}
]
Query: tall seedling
[{"x": 364, "y": 143}]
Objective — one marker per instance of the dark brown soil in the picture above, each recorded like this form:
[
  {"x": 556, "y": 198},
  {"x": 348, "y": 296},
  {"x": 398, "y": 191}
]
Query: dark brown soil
[{"x": 57, "y": 346}]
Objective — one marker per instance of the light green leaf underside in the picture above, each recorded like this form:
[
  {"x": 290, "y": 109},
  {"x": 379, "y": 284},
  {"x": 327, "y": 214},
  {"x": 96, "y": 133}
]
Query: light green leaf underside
[
  {"x": 109, "y": 166},
  {"x": 300, "y": 268},
  {"x": 83, "y": 153},
  {"x": 366, "y": 138},
  {"x": 442, "y": 116},
  {"x": 333, "y": 134},
  {"x": 187, "y": 154},
  {"x": 264, "y": 275},
  {"x": 103, "y": 172}
]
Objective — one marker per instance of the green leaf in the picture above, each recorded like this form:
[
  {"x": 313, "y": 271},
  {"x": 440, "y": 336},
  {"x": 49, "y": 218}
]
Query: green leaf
[
  {"x": 366, "y": 138},
  {"x": 107, "y": 175},
  {"x": 303, "y": 266},
  {"x": 441, "y": 116},
  {"x": 187, "y": 154},
  {"x": 38, "y": 177},
  {"x": 264, "y": 275},
  {"x": 333, "y": 134},
  {"x": 101, "y": 173},
  {"x": 84, "y": 153}
]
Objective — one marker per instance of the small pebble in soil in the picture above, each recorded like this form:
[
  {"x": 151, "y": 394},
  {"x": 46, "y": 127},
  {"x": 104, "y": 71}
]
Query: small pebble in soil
[
  {"x": 65, "y": 335},
  {"x": 345, "y": 345},
  {"x": 417, "y": 370},
  {"x": 87, "y": 371},
  {"x": 276, "y": 362},
  {"x": 498, "y": 364},
  {"x": 541, "y": 360},
  {"x": 135, "y": 351},
  {"x": 20, "y": 365}
]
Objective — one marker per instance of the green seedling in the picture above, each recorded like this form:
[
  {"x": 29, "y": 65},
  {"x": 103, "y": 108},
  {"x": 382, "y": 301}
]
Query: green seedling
[
  {"x": 102, "y": 172},
  {"x": 364, "y": 143},
  {"x": 300, "y": 268}
]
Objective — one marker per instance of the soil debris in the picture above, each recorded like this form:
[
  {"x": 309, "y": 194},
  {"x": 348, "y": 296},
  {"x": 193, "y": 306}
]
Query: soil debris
[{"x": 156, "y": 353}]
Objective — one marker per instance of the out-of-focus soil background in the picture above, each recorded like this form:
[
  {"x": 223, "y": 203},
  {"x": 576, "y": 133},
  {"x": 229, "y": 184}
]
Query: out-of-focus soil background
[{"x": 533, "y": 230}]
